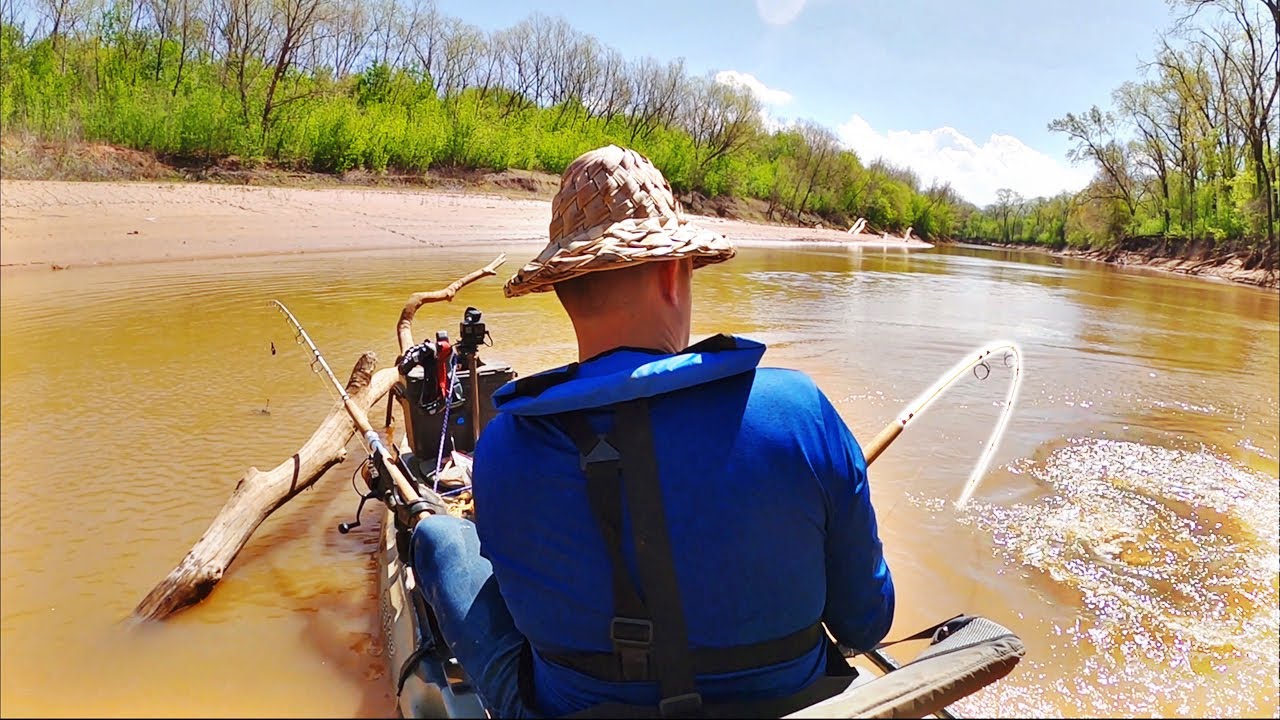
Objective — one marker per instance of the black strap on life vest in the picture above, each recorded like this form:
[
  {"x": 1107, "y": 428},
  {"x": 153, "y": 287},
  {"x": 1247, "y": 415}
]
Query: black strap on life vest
[{"x": 650, "y": 640}]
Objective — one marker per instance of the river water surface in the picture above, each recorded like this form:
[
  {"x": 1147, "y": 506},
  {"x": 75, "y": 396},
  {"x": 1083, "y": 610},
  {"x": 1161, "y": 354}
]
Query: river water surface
[{"x": 1127, "y": 529}]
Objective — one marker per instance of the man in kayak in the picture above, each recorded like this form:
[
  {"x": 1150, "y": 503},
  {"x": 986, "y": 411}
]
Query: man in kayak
[{"x": 657, "y": 525}]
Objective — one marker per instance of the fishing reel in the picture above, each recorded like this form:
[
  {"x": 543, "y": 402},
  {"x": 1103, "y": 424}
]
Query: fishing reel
[
  {"x": 379, "y": 484},
  {"x": 381, "y": 488}
]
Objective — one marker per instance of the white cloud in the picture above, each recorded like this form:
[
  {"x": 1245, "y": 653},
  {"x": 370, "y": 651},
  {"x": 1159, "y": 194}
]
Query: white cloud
[
  {"x": 779, "y": 12},
  {"x": 772, "y": 124},
  {"x": 765, "y": 94},
  {"x": 768, "y": 97},
  {"x": 975, "y": 171}
]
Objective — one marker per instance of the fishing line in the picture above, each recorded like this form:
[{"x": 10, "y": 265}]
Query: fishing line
[
  {"x": 356, "y": 474},
  {"x": 318, "y": 365}
]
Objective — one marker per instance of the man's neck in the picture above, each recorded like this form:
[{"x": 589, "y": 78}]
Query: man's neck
[{"x": 600, "y": 338}]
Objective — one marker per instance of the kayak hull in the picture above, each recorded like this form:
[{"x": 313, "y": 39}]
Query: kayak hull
[{"x": 434, "y": 688}]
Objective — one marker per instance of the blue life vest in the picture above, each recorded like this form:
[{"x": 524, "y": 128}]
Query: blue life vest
[{"x": 766, "y": 507}]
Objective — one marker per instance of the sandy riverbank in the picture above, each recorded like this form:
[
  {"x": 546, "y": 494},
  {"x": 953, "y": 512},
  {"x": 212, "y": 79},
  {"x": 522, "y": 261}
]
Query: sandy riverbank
[
  {"x": 67, "y": 224},
  {"x": 1230, "y": 269},
  {"x": 1226, "y": 269}
]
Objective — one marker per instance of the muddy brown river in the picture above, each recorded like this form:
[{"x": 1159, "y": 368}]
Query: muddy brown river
[{"x": 1127, "y": 528}]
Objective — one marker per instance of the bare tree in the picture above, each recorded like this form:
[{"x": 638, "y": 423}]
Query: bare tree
[
  {"x": 426, "y": 37},
  {"x": 656, "y": 95},
  {"x": 608, "y": 92},
  {"x": 575, "y": 60},
  {"x": 454, "y": 56},
  {"x": 817, "y": 154},
  {"x": 489, "y": 65},
  {"x": 164, "y": 15},
  {"x": 719, "y": 117},
  {"x": 346, "y": 31},
  {"x": 1094, "y": 133},
  {"x": 127, "y": 19},
  {"x": 292, "y": 26},
  {"x": 187, "y": 20},
  {"x": 244, "y": 26},
  {"x": 63, "y": 18},
  {"x": 528, "y": 51},
  {"x": 55, "y": 13},
  {"x": 384, "y": 16},
  {"x": 13, "y": 14},
  {"x": 395, "y": 25}
]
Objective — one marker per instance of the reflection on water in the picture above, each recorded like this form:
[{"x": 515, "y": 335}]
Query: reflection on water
[{"x": 1126, "y": 531}]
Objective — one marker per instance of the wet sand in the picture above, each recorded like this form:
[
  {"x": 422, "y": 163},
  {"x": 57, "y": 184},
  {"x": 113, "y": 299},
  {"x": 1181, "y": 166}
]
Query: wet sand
[{"x": 66, "y": 224}]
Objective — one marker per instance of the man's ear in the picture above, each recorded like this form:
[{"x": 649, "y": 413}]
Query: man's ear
[{"x": 669, "y": 272}]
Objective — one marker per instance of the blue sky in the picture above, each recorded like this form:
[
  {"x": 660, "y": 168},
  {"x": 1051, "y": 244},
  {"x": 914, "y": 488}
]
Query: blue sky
[{"x": 960, "y": 91}]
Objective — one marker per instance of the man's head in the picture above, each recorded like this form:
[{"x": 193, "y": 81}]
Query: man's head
[
  {"x": 621, "y": 254},
  {"x": 649, "y": 305}
]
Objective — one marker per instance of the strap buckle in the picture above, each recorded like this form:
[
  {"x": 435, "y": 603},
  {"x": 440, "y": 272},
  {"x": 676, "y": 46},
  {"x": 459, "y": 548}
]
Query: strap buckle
[
  {"x": 632, "y": 638},
  {"x": 631, "y": 632},
  {"x": 601, "y": 452},
  {"x": 681, "y": 706}
]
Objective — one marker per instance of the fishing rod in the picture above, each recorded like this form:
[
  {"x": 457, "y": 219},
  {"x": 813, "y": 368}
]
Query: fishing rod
[
  {"x": 417, "y": 507},
  {"x": 1011, "y": 358}
]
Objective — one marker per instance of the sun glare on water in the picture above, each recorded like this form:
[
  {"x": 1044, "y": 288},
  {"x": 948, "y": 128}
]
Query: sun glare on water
[{"x": 1173, "y": 553}]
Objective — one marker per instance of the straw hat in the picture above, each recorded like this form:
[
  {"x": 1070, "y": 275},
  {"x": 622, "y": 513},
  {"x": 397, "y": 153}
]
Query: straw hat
[{"x": 614, "y": 210}]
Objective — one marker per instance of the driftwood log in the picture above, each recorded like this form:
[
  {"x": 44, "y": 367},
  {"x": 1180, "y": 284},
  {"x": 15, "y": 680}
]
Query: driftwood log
[
  {"x": 258, "y": 494},
  {"x": 1212, "y": 261}
]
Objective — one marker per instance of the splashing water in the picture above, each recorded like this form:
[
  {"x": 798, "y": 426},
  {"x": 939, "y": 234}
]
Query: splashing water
[{"x": 1173, "y": 553}]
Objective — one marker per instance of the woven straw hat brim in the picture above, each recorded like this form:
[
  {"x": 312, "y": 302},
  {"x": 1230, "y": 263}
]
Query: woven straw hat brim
[
  {"x": 614, "y": 209},
  {"x": 619, "y": 244}
]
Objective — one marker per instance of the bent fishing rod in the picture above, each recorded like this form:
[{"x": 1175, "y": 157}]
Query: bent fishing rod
[
  {"x": 1011, "y": 358},
  {"x": 417, "y": 507}
]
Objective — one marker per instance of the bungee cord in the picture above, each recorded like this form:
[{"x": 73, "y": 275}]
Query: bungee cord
[{"x": 444, "y": 428}]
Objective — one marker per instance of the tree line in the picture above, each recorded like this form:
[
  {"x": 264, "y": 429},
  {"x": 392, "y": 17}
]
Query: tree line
[
  {"x": 332, "y": 85},
  {"x": 1190, "y": 151}
]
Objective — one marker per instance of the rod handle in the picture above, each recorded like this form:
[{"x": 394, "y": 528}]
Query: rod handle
[{"x": 880, "y": 442}]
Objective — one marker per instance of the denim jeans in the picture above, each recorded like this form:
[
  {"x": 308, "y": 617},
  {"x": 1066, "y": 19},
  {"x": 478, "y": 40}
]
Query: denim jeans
[{"x": 459, "y": 586}]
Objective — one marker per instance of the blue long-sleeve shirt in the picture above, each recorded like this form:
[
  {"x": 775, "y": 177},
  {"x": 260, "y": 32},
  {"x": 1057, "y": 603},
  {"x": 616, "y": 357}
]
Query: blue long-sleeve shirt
[{"x": 766, "y": 500}]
